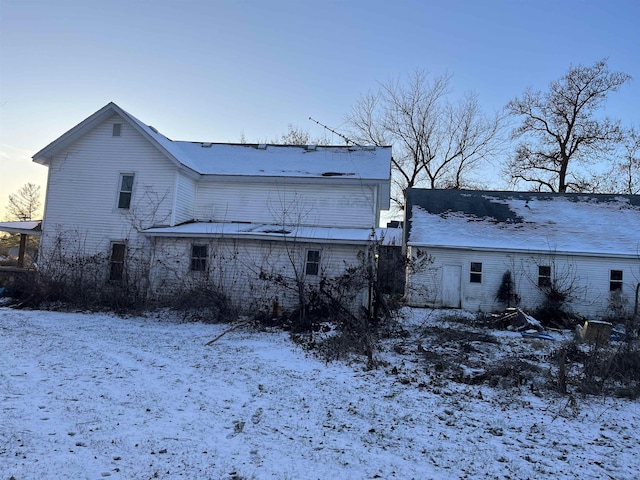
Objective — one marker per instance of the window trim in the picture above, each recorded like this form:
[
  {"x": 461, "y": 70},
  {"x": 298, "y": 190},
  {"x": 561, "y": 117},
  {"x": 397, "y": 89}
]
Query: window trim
[
  {"x": 199, "y": 263},
  {"x": 312, "y": 265},
  {"x": 475, "y": 272},
  {"x": 120, "y": 203},
  {"x": 544, "y": 277},
  {"x": 117, "y": 265},
  {"x": 615, "y": 284},
  {"x": 116, "y": 130}
]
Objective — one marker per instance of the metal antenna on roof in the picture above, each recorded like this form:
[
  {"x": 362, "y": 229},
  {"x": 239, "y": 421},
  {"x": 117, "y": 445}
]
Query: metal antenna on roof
[{"x": 344, "y": 137}]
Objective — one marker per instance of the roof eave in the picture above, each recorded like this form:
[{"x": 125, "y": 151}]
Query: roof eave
[
  {"x": 261, "y": 237},
  {"x": 45, "y": 155},
  {"x": 524, "y": 251}
]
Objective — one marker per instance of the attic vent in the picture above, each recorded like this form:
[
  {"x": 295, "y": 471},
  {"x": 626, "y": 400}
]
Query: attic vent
[
  {"x": 312, "y": 148},
  {"x": 206, "y": 145},
  {"x": 369, "y": 148},
  {"x": 261, "y": 146},
  {"x": 153, "y": 129},
  {"x": 281, "y": 231}
]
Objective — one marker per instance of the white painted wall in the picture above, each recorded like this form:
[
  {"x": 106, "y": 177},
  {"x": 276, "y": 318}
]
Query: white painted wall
[
  {"x": 184, "y": 200},
  {"x": 282, "y": 202},
  {"x": 235, "y": 266},
  {"x": 83, "y": 186},
  {"x": 591, "y": 275}
]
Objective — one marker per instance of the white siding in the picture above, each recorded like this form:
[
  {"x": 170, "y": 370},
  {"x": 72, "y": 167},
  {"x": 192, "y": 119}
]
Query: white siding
[
  {"x": 185, "y": 199},
  {"x": 589, "y": 277},
  {"x": 235, "y": 267},
  {"x": 287, "y": 203},
  {"x": 83, "y": 188}
]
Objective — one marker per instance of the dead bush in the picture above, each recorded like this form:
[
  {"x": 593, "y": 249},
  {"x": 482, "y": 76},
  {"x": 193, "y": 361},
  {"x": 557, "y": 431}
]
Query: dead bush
[
  {"x": 204, "y": 303},
  {"x": 599, "y": 370},
  {"x": 510, "y": 373}
]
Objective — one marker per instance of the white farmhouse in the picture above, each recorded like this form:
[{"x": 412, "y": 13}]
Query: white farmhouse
[
  {"x": 169, "y": 215},
  {"x": 460, "y": 244}
]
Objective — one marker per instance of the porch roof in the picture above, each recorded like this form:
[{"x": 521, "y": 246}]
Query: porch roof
[
  {"x": 28, "y": 228},
  {"x": 270, "y": 232}
]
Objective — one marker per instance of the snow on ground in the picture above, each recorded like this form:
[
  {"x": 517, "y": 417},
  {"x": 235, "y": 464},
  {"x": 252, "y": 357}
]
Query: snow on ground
[{"x": 96, "y": 396}]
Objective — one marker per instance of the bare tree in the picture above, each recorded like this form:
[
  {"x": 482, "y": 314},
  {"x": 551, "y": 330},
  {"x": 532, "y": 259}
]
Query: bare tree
[
  {"x": 24, "y": 203},
  {"x": 437, "y": 142},
  {"x": 560, "y": 128},
  {"x": 298, "y": 136},
  {"x": 624, "y": 175}
]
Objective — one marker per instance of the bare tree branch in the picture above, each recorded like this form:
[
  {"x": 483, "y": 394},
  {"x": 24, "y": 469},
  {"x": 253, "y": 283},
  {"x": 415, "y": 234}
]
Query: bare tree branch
[
  {"x": 24, "y": 203},
  {"x": 560, "y": 128},
  {"x": 436, "y": 142}
]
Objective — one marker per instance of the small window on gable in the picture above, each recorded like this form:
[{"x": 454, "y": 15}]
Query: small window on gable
[
  {"x": 313, "y": 262},
  {"x": 198, "y": 258},
  {"x": 126, "y": 190},
  {"x": 615, "y": 280},
  {"x": 117, "y": 130},
  {"x": 544, "y": 276},
  {"x": 116, "y": 262},
  {"x": 475, "y": 272}
]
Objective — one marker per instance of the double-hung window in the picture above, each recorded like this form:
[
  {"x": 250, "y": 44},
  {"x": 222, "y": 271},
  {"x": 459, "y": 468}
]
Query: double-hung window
[
  {"x": 126, "y": 190},
  {"x": 116, "y": 262},
  {"x": 615, "y": 280},
  {"x": 475, "y": 272},
  {"x": 544, "y": 276},
  {"x": 313, "y": 262},
  {"x": 198, "y": 258}
]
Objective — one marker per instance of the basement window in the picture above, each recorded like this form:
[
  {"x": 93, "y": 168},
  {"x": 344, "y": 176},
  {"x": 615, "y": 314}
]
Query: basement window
[
  {"x": 475, "y": 272},
  {"x": 117, "y": 130},
  {"x": 198, "y": 258},
  {"x": 615, "y": 280},
  {"x": 313, "y": 262}
]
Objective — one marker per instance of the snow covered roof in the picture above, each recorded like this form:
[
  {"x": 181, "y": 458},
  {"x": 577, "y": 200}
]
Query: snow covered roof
[
  {"x": 28, "y": 228},
  {"x": 601, "y": 225},
  {"x": 272, "y": 232},
  {"x": 345, "y": 162}
]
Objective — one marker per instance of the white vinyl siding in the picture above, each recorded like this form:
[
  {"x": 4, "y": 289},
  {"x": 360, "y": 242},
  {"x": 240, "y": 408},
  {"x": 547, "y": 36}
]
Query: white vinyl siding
[
  {"x": 235, "y": 266},
  {"x": 185, "y": 199},
  {"x": 349, "y": 206},
  {"x": 93, "y": 166},
  {"x": 590, "y": 275}
]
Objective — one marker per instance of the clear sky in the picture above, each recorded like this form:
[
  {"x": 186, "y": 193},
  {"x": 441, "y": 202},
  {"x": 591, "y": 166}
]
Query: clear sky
[{"x": 215, "y": 70}]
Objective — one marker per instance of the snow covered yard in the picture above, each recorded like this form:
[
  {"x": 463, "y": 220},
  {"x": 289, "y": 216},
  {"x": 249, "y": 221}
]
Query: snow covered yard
[{"x": 97, "y": 396}]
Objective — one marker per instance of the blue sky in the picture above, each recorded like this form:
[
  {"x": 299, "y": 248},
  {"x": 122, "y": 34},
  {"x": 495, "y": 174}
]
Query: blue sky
[{"x": 214, "y": 70}]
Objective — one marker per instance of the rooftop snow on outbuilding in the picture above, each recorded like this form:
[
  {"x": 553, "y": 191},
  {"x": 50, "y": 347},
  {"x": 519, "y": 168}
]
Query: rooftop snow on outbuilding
[{"x": 525, "y": 221}]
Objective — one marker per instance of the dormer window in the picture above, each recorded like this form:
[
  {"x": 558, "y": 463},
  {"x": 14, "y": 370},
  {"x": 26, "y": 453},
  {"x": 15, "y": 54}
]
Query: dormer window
[{"x": 117, "y": 130}]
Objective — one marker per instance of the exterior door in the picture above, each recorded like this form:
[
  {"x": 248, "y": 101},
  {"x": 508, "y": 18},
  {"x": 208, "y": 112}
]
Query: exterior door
[{"x": 451, "y": 276}]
